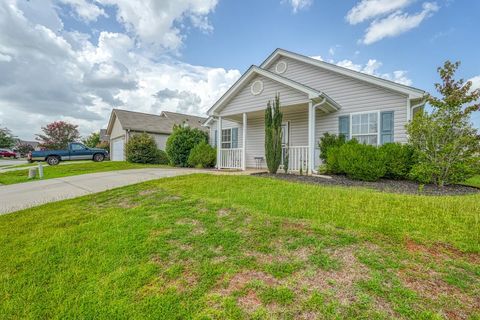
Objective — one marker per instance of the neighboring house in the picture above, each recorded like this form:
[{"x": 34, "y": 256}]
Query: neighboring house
[
  {"x": 104, "y": 137},
  {"x": 33, "y": 144},
  {"x": 123, "y": 124},
  {"x": 316, "y": 97}
]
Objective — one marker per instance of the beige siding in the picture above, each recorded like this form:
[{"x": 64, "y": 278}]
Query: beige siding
[
  {"x": 353, "y": 96},
  {"x": 160, "y": 140},
  {"x": 117, "y": 130},
  {"x": 245, "y": 101}
]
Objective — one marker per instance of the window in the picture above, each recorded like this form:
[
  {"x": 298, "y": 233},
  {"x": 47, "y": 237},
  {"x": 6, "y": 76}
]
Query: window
[
  {"x": 365, "y": 127},
  {"x": 77, "y": 147},
  {"x": 226, "y": 138}
]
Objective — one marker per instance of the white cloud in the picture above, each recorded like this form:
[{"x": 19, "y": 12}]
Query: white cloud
[
  {"x": 85, "y": 10},
  {"x": 372, "y": 67},
  {"x": 368, "y": 9},
  {"x": 158, "y": 22},
  {"x": 298, "y": 5},
  {"x": 397, "y": 23},
  {"x": 48, "y": 75}
]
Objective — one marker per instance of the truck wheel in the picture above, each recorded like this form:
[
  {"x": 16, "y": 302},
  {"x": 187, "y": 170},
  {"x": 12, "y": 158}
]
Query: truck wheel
[
  {"x": 53, "y": 160},
  {"x": 98, "y": 157}
]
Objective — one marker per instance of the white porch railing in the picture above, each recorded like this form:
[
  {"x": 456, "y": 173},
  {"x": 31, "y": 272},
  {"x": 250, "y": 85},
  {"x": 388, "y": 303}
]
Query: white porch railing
[
  {"x": 231, "y": 158},
  {"x": 297, "y": 158}
]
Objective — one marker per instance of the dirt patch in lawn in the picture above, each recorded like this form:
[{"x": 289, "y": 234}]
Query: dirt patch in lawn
[
  {"x": 441, "y": 251},
  {"x": 242, "y": 279},
  {"x": 385, "y": 185}
]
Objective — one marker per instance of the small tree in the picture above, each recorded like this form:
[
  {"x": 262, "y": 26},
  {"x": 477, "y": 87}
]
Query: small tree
[
  {"x": 141, "y": 148},
  {"x": 92, "y": 140},
  {"x": 273, "y": 135},
  {"x": 181, "y": 142},
  {"x": 202, "y": 156},
  {"x": 7, "y": 140},
  {"x": 446, "y": 145},
  {"x": 24, "y": 148},
  {"x": 57, "y": 135}
]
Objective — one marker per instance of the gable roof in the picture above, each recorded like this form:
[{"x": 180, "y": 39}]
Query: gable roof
[
  {"x": 194, "y": 122},
  {"x": 145, "y": 122},
  {"x": 413, "y": 93},
  {"x": 254, "y": 71}
]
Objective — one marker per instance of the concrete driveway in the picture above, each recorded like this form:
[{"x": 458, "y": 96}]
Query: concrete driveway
[{"x": 29, "y": 194}]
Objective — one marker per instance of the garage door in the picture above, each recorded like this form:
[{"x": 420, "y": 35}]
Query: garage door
[{"x": 117, "y": 152}]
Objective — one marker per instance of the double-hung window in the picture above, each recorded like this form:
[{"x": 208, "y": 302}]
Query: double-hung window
[
  {"x": 226, "y": 138},
  {"x": 365, "y": 127}
]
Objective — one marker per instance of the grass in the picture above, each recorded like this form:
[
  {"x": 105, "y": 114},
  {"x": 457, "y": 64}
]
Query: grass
[
  {"x": 474, "y": 181},
  {"x": 18, "y": 176},
  {"x": 233, "y": 247}
]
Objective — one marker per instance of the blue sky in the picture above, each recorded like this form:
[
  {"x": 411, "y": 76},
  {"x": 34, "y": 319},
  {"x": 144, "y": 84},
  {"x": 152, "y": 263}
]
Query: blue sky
[{"x": 75, "y": 60}]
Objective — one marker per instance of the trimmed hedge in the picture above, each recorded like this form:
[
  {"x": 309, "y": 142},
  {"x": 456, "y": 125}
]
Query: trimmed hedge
[
  {"x": 202, "y": 156},
  {"x": 328, "y": 141},
  {"x": 361, "y": 161},
  {"x": 398, "y": 160},
  {"x": 181, "y": 142}
]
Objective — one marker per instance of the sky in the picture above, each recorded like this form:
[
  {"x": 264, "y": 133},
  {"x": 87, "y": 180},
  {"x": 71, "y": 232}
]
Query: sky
[{"x": 75, "y": 60}]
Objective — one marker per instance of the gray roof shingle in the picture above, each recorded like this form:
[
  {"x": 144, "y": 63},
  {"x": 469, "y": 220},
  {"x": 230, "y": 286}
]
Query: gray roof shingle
[{"x": 138, "y": 121}]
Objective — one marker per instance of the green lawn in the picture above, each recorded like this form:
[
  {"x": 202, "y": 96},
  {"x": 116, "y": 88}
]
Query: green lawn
[
  {"x": 73, "y": 169},
  {"x": 235, "y": 247}
]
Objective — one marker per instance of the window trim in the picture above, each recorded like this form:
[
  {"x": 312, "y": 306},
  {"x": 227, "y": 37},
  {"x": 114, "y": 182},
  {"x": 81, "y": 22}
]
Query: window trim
[
  {"x": 378, "y": 125},
  {"x": 287, "y": 136}
]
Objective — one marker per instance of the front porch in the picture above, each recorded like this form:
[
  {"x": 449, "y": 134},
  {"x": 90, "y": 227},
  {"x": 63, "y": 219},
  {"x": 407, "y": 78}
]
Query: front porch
[{"x": 247, "y": 151}]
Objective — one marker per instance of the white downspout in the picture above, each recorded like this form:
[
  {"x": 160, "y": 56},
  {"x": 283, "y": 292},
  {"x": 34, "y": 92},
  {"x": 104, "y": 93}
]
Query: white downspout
[{"x": 312, "y": 148}]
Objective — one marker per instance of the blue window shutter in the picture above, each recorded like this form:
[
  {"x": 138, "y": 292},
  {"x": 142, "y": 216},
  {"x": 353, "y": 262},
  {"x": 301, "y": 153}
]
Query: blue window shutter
[
  {"x": 386, "y": 127},
  {"x": 344, "y": 126},
  {"x": 234, "y": 137},
  {"x": 216, "y": 139}
]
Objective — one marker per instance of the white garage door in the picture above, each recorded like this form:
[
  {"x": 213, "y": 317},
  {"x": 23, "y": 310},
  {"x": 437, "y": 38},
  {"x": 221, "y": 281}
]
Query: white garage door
[{"x": 117, "y": 152}]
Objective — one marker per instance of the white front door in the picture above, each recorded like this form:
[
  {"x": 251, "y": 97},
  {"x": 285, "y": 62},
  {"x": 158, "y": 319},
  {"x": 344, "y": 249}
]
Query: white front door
[{"x": 117, "y": 149}]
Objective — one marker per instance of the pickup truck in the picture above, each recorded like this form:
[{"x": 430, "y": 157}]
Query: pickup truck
[{"x": 75, "y": 151}]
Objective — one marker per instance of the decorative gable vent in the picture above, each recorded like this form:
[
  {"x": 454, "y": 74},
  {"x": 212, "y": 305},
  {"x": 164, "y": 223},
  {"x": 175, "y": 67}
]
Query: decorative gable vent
[
  {"x": 257, "y": 87},
  {"x": 281, "y": 67}
]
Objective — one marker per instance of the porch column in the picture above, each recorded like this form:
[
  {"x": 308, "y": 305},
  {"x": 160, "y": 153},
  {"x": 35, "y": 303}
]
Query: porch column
[
  {"x": 244, "y": 142},
  {"x": 311, "y": 137},
  {"x": 219, "y": 140}
]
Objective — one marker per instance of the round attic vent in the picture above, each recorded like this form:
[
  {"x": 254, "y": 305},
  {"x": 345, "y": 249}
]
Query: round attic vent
[
  {"x": 281, "y": 67},
  {"x": 257, "y": 87}
]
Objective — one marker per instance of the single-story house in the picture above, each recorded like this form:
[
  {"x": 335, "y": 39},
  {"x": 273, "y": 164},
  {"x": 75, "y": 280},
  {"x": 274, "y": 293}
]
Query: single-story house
[
  {"x": 104, "y": 136},
  {"x": 316, "y": 97},
  {"x": 123, "y": 124}
]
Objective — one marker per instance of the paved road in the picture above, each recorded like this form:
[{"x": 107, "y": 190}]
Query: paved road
[{"x": 29, "y": 194}]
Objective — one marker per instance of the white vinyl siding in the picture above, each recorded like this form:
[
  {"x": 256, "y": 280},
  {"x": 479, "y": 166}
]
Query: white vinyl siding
[
  {"x": 353, "y": 96},
  {"x": 245, "y": 101}
]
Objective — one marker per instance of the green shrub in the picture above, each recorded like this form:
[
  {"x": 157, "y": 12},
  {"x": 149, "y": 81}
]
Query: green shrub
[
  {"x": 141, "y": 148},
  {"x": 181, "y": 142},
  {"x": 328, "y": 141},
  {"x": 361, "y": 161},
  {"x": 163, "y": 157},
  {"x": 202, "y": 156},
  {"x": 398, "y": 160},
  {"x": 332, "y": 165}
]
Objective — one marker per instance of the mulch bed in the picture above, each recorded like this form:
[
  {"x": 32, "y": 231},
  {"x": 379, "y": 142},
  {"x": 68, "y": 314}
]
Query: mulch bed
[{"x": 396, "y": 186}]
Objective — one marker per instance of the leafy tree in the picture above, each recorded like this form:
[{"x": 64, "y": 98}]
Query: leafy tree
[
  {"x": 273, "y": 135},
  {"x": 181, "y": 142},
  {"x": 7, "y": 140},
  {"x": 24, "y": 148},
  {"x": 92, "y": 140},
  {"x": 104, "y": 145},
  {"x": 141, "y": 148},
  {"x": 328, "y": 141},
  {"x": 446, "y": 145},
  {"x": 57, "y": 135}
]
